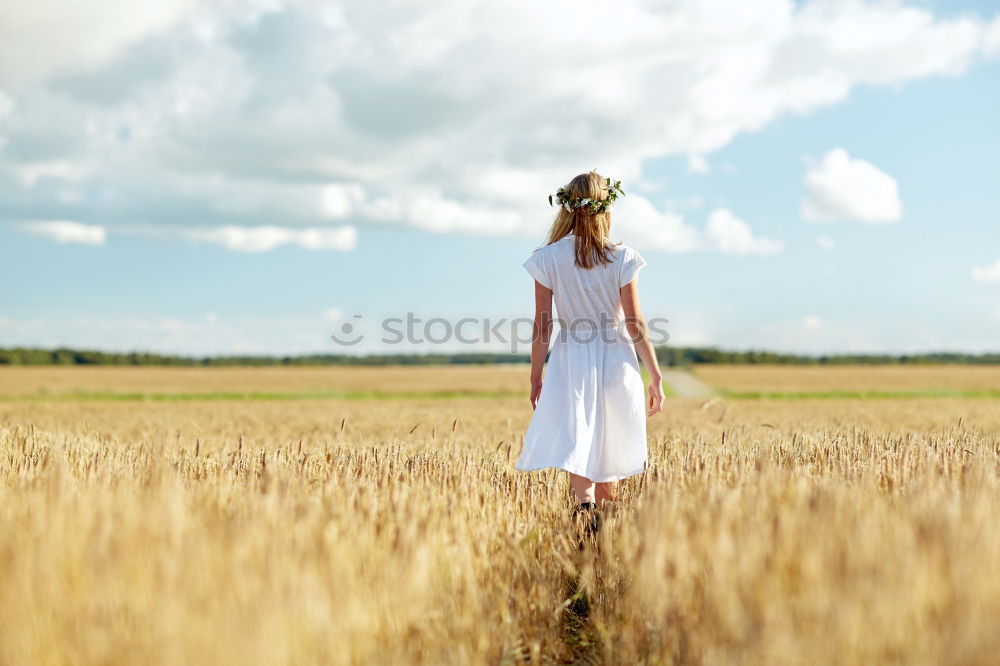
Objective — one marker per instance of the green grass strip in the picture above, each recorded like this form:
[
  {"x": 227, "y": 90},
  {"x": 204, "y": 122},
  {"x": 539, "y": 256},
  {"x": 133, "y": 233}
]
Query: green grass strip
[
  {"x": 136, "y": 396},
  {"x": 207, "y": 396},
  {"x": 979, "y": 394}
]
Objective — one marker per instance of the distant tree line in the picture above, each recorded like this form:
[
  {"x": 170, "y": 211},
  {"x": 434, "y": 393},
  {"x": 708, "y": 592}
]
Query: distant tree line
[
  {"x": 680, "y": 356},
  {"x": 690, "y": 355},
  {"x": 66, "y": 356}
]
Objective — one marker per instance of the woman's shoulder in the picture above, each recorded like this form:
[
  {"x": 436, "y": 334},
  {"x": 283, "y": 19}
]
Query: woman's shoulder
[
  {"x": 561, "y": 246},
  {"x": 624, "y": 251},
  {"x": 543, "y": 250}
]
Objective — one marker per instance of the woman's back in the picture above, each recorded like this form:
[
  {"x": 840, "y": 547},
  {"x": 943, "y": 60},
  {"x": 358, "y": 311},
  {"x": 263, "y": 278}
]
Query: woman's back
[{"x": 584, "y": 297}]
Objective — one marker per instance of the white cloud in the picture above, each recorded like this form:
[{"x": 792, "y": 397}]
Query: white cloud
[
  {"x": 731, "y": 235},
  {"x": 840, "y": 187},
  {"x": 439, "y": 117},
  {"x": 45, "y": 37},
  {"x": 826, "y": 242},
  {"x": 333, "y": 315},
  {"x": 265, "y": 238},
  {"x": 65, "y": 231},
  {"x": 698, "y": 164},
  {"x": 812, "y": 323},
  {"x": 989, "y": 273},
  {"x": 638, "y": 220},
  {"x": 991, "y": 40},
  {"x": 432, "y": 211},
  {"x": 62, "y": 169},
  {"x": 341, "y": 200},
  {"x": 249, "y": 239},
  {"x": 232, "y": 237}
]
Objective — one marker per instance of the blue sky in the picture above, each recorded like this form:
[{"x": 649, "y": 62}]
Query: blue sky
[{"x": 210, "y": 181}]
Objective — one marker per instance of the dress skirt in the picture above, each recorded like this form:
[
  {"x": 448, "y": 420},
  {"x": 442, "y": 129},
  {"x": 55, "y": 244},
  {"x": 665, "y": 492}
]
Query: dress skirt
[{"x": 590, "y": 418}]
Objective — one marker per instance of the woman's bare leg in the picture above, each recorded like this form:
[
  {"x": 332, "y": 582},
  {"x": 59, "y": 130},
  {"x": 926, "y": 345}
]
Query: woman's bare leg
[
  {"x": 583, "y": 488},
  {"x": 586, "y": 490},
  {"x": 606, "y": 491}
]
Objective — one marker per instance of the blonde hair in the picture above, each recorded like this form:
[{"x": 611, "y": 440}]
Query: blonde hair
[{"x": 590, "y": 229}]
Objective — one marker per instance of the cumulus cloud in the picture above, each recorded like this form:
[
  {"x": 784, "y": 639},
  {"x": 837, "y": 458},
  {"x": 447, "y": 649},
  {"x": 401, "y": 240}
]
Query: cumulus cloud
[
  {"x": 989, "y": 273},
  {"x": 265, "y": 238},
  {"x": 341, "y": 200},
  {"x": 840, "y": 187},
  {"x": 232, "y": 237},
  {"x": 731, "y": 235},
  {"x": 812, "y": 323},
  {"x": 31, "y": 172},
  {"x": 637, "y": 219},
  {"x": 446, "y": 116},
  {"x": 75, "y": 34},
  {"x": 66, "y": 231}
]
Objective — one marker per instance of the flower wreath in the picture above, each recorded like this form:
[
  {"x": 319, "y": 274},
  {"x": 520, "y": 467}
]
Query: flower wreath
[{"x": 592, "y": 205}]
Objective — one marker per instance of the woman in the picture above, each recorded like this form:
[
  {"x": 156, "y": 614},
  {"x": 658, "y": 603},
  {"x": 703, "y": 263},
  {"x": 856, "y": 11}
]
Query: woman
[{"x": 590, "y": 413}]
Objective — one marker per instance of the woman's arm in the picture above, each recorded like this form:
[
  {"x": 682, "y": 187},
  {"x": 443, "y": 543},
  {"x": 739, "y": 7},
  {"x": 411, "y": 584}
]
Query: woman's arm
[
  {"x": 635, "y": 323},
  {"x": 541, "y": 331}
]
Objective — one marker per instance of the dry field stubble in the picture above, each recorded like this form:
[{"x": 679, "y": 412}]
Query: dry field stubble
[
  {"x": 851, "y": 377},
  {"x": 55, "y": 381},
  {"x": 396, "y": 531}
]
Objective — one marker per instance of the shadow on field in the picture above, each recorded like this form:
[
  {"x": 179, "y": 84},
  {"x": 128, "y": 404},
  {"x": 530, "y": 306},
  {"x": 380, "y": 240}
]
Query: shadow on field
[
  {"x": 578, "y": 632},
  {"x": 594, "y": 582}
]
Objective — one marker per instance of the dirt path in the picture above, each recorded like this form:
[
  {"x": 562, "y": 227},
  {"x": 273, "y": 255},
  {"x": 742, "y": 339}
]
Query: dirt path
[{"x": 686, "y": 385}]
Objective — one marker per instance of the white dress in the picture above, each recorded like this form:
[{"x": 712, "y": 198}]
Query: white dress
[{"x": 590, "y": 418}]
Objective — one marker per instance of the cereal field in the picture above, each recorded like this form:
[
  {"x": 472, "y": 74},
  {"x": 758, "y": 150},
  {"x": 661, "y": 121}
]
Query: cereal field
[{"x": 373, "y": 516}]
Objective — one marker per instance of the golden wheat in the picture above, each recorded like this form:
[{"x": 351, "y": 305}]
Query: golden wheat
[
  {"x": 361, "y": 532},
  {"x": 850, "y": 377},
  {"x": 26, "y": 380}
]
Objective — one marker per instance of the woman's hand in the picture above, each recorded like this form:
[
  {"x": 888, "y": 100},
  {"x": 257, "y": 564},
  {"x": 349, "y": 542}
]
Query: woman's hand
[
  {"x": 536, "y": 390},
  {"x": 655, "y": 396}
]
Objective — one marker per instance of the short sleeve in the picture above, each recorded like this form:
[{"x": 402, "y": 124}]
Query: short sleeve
[
  {"x": 535, "y": 265},
  {"x": 631, "y": 263}
]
